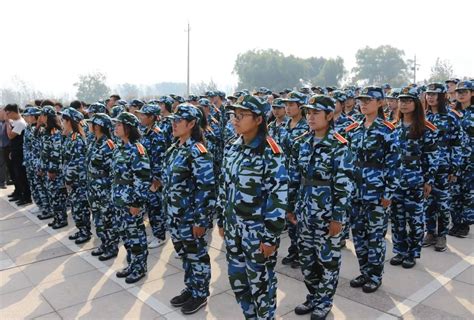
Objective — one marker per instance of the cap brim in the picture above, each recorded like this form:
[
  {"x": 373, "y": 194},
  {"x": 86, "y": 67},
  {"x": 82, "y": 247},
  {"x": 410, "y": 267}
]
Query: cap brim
[
  {"x": 407, "y": 96},
  {"x": 239, "y": 106},
  {"x": 363, "y": 96},
  {"x": 458, "y": 89}
]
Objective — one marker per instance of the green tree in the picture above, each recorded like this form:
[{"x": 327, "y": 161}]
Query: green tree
[
  {"x": 128, "y": 90},
  {"x": 202, "y": 87},
  {"x": 331, "y": 72},
  {"x": 380, "y": 65},
  {"x": 92, "y": 87},
  {"x": 441, "y": 71}
]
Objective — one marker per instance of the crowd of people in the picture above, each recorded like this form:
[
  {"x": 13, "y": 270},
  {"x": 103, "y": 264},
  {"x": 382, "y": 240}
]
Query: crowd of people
[{"x": 319, "y": 162}]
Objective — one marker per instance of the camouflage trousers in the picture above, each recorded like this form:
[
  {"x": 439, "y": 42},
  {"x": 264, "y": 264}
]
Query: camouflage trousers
[
  {"x": 347, "y": 227},
  {"x": 196, "y": 263},
  {"x": 407, "y": 211},
  {"x": 293, "y": 235},
  {"x": 35, "y": 189},
  {"x": 369, "y": 227},
  {"x": 57, "y": 197},
  {"x": 320, "y": 258},
  {"x": 156, "y": 215},
  {"x": 132, "y": 232},
  {"x": 40, "y": 184},
  {"x": 462, "y": 206},
  {"x": 105, "y": 220},
  {"x": 438, "y": 206},
  {"x": 80, "y": 209},
  {"x": 251, "y": 275}
]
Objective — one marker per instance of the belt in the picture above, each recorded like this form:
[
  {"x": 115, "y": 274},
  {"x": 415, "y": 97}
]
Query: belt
[
  {"x": 315, "y": 182},
  {"x": 123, "y": 181},
  {"x": 367, "y": 164}
]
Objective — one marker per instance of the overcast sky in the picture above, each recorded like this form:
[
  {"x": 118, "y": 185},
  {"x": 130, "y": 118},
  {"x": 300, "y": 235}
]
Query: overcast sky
[{"x": 49, "y": 43}]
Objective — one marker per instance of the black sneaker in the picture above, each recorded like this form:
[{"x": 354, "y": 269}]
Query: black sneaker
[
  {"x": 441, "y": 244},
  {"x": 359, "y": 281},
  {"x": 24, "y": 202},
  {"x": 107, "y": 256},
  {"x": 193, "y": 305},
  {"x": 82, "y": 239},
  {"x": 454, "y": 230},
  {"x": 59, "y": 225},
  {"x": 408, "y": 262},
  {"x": 370, "y": 286},
  {"x": 74, "y": 236},
  {"x": 52, "y": 223},
  {"x": 45, "y": 216},
  {"x": 397, "y": 260},
  {"x": 319, "y": 314},
  {"x": 295, "y": 264},
  {"x": 181, "y": 299},
  {"x": 463, "y": 231},
  {"x": 125, "y": 272},
  {"x": 134, "y": 276},
  {"x": 288, "y": 260},
  {"x": 304, "y": 308}
]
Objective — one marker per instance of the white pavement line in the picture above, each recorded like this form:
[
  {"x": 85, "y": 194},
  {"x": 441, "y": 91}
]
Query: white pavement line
[
  {"x": 146, "y": 298},
  {"x": 438, "y": 282}
]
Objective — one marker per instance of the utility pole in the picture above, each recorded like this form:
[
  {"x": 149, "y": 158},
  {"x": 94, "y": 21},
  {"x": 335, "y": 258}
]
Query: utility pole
[
  {"x": 188, "y": 30},
  {"x": 414, "y": 68}
]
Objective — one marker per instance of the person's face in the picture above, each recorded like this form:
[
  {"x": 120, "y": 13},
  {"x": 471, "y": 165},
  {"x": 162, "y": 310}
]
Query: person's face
[
  {"x": 245, "y": 121},
  {"x": 392, "y": 104},
  {"x": 133, "y": 110},
  {"x": 206, "y": 110},
  {"x": 339, "y": 106},
  {"x": 464, "y": 96},
  {"x": 163, "y": 108},
  {"x": 278, "y": 112},
  {"x": 407, "y": 105},
  {"x": 66, "y": 125},
  {"x": 450, "y": 87},
  {"x": 369, "y": 105},
  {"x": 350, "y": 102},
  {"x": 182, "y": 127},
  {"x": 3, "y": 116},
  {"x": 145, "y": 119},
  {"x": 119, "y": 130},
  {"x": 111, "y": 103},
  {"x": 58, "y": 108},
  {"x": 432, "y": 98},
  {"x": 42, "y": 119},
  {"x": 318, "y": 120},
  {"x": 292, "y": 109}
]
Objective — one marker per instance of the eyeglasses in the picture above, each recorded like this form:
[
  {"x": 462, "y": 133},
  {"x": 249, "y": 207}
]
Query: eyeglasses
[{"x": 240, "y": 116}]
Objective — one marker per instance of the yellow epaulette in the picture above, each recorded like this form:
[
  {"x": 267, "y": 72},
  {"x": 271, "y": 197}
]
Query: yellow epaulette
[
  {"x": 201, "y": 147},
  {"x": 111, "y": 144},
  {"x": 274, "y": 146},
  {"x": 301, "y": 136},
  {"x": 140, "y": 148},
  {"x": 388, "y": 124},
  {"x": 459, "y": 114},
  {"x": 157, "y": 129},
  {"x": 430, "y": 126},
  {"x": 73, "y": 136},
  {"x": 352, "y": 126},
  {"x": 340, "y": 138}
]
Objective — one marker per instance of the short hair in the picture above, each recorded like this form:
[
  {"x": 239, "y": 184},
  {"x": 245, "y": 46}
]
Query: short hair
[
  {"x": 59, "y": 104},
  {"x": 38, "y": 102},
  {"x": 47, "y": 102},
  {"x": 115, "y": 96},
  {"x": 13, "y": 107},
  {"x": 76, "y": 104}
]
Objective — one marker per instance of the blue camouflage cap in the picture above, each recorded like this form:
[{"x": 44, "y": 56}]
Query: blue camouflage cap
[
  {"x": 177, "y": 98},
  {"x": 192, "y": 97},
  {"x": 220, "y": 94},
  {"x": 339, "y": 95},
  {"x": 114, "y": 113},
  {"x": 122, "y": 103},
  {"x": 210, "y": 93},
  {"x": 436, "y": 87},
  {"x": 48, "y": 111},
  {"x": 408, "y": 92},
  {"x": 319, "y": 90},
  {"x": 454, "y": 80},
  {"x": 320, "y": 102},
  {"x": 204, "y": 102},
  {"x": 127, "y": 118},
  {"x": 278, "y": 103},
  {"x": 96, "y": 107},
  {"x": 295, "y": 96},
  {"x": 386, "y": 86},
  {"x": 32, "y": 111},
  {"x": 186, "y": 111},
  {"x": 372, "y": 92},
  {"x": 72, "y": 114},
  {"x": 101, "y": 119},
  {"x": 263, "y": 90},
  {"x": 137, "y": 103},
  {"x": 152, "y": 109},
  {"x": 394, "y": 93},
  {"x": 464, "y": 85},
  {"x": 154, "y": 101},
  {"x": 249, "y": 102},
  {"x": 349, "y": 93},
  {"x": 166, "y": 100}
]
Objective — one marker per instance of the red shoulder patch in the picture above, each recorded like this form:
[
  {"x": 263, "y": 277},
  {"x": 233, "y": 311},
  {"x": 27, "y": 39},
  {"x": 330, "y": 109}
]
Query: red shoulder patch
[
  {"x": 388, "y": 124},
  {"x": 111, "y": 144},
  {"x": 340, "y": 138},
  {"x": 430, "y": 126},
  {"x": 201, "y": 147},
  {"x": 73, "y": 136},
  {"x": 140, "y": 148},
  {"x": 157, "y": 129},
  {"x": 352, "y": 126},
  {"x": 459, "y": 114},
  {"x": 274, "y": 146}
]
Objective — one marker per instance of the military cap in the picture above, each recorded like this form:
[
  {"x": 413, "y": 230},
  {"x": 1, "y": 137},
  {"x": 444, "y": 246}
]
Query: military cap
[
  {"x": 210, "y": 93},
  {"x": 394, "y": 93},
  {"x": 408, "y": 92},
  {"x": 192, "y": 97},
  {"x": 204, "y": 102},
  {"x": 96, "y": 107},
  {"x": 122, "y": 103},
  {"x": 127, "y": 118},
  {"x": 72, "y": 114},
  {"x": 339, "y": 95},
  {"x": 295, "y": 96},
  {"x": 116, "y": 111},
  {"x": 137, "y": 103},
  {"x": 454, "y": 80},
  {"x": 320, "y": 102},
  {"x": 101, "y": 119},
  {"x": 152, "y": 109},
  {"x": 177, "y": 98},
  {"x": 166, "y": 100},
  {"x": 278, "y": 103},
  {"x": 464, "y": 85},
  {"x": 249, "y": 102},
  {"x": 371, "y": 92},
  {"x": 48, "y": 111},
  {"x": 436, "y": 87},
  {"x": 186, "y": 111}
]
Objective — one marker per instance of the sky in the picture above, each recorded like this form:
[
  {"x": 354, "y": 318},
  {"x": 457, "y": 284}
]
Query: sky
[{"x": 48, "y": 43}]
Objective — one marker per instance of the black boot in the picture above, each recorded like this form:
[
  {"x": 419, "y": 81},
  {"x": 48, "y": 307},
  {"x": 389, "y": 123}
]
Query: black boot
[
  {"x": 135, "y": 276},
  {"x": 193, "y": 305},
  {"x": 359, "y": 281},
  {"x": 181, "y": 299}
]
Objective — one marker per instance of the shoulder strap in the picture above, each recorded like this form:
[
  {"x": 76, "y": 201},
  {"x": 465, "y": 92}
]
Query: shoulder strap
[
  {"x": 352, "y": 126},
  {"x": 274, "y": 146},
  {"x": 388, "y": 124},
  {"x": 430, "y": 126},
  {"x": 201, "y": 147},
  {"x": 111, "y": 144},
  {"x": 157, "y": 129},
  {"x": 140, "y": 148},
  {"x": 456, "y": 112},
  {"x": 340, "y": 138}
]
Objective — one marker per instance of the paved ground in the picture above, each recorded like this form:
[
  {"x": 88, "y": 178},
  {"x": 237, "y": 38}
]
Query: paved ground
[{"x": 46, "y": 276}]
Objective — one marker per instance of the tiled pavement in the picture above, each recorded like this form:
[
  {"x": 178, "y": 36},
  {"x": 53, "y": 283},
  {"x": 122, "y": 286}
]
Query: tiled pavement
[{"x": 45, "y": 276}]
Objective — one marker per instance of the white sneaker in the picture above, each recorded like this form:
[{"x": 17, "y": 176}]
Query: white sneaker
[{"x": 156, "y": 243}]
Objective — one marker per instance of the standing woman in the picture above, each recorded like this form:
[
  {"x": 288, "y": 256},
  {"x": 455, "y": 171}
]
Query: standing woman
[
  {"x": 189, "y": 201},
  {"x": 51, "y": 166},
  {"x": 449, "y": 165},
  {"x": 276, "y": 128},
  {"x": 75, "y": 174},
  {"x": 99, "y": 182},
  {"x": 155, "y": 145},
  {"x": 254, "y": 201},
  {"x": 319, "y": 193},
  {"x": 417, "y": 140},
  {"x": 463, "y": 207},
  {"x": 376, "y": 174},
  {"x": 131, "y": 181}
]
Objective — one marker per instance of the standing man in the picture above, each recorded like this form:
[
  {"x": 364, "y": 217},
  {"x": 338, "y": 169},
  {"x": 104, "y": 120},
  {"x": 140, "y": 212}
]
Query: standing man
[{"x": 4, "y": 142}]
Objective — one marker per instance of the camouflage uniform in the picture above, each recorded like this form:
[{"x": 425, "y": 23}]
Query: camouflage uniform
[
  {"x": 277, "y": 130},
  {"x": 419, "y": 164},
  {"x": 376, "y": 174},
  {"x": 131, "y": 172},
  {"x": 253, "y": 203},
  {"x": 319, "y": 192},
  {"x": 39, "y": 181},
  {"x": 189, "y": 189},
  {"x": 155, "y": 145},
  {"x": 165, "y": 122},
  {"x": 51, "y": 162},
  {"x": 99, "y": 183},
  {"x": 29, "y": 140}
]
